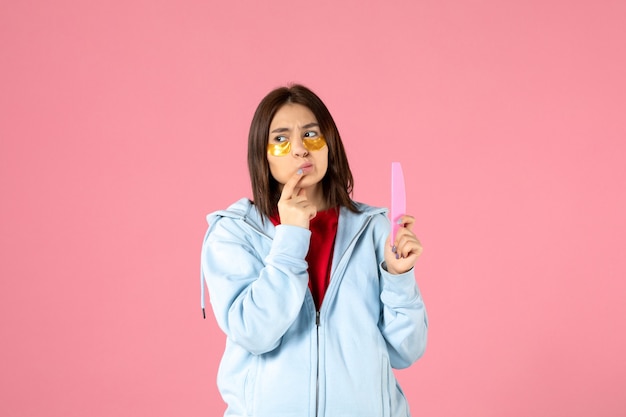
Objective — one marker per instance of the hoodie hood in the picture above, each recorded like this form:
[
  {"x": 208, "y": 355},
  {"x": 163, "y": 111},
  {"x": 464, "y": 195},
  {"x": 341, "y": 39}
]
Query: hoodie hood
[{"x": 245, "y": 210}]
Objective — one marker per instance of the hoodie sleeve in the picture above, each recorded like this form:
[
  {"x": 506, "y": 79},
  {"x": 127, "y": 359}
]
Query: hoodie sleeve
[
  {"x": 404, "y": 323},
  {"x": 255, "y": 299}
]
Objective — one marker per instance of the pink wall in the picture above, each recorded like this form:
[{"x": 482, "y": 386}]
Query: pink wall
[{"x": 122, "y": 123}]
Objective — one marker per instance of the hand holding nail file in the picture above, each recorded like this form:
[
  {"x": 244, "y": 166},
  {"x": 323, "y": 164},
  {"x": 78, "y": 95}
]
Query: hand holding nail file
[{"x": 404, "y": 246}]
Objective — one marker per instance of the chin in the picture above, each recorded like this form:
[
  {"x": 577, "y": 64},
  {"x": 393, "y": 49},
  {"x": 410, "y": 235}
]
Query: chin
[{"x": 311, "y": 181}]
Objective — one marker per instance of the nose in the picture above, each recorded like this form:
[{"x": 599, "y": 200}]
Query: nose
[{"x": 298, "y": 149}]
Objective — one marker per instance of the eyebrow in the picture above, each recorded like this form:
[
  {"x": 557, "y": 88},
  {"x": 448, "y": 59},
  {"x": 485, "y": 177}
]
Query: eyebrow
[{"x": 285, "y": 129}]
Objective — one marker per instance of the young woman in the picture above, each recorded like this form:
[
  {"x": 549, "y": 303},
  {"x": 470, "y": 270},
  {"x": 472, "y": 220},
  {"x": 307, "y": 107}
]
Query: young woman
[{"x": 316, "y": 303}]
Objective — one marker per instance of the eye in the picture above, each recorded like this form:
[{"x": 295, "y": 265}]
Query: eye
[
  {"x": 310, "y": 134},
  {"x": 280, "y": 139}
]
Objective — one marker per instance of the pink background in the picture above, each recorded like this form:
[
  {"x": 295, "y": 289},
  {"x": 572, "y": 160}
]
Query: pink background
[{"x": 123, "y": 123}]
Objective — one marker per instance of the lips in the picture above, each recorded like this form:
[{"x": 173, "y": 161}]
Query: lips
[{"x": 307, "y": 167}]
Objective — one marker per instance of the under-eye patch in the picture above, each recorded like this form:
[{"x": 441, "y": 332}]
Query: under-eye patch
[{"x": 284, "y": 148}]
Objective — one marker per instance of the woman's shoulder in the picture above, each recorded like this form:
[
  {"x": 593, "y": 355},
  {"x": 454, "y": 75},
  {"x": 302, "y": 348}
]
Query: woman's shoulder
[
  {"x": 238, "y": 209},
  {"x": 240, "y": 217}
]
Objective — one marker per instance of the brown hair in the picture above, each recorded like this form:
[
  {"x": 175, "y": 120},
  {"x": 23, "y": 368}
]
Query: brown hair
[{"x": 336, "y": 184}]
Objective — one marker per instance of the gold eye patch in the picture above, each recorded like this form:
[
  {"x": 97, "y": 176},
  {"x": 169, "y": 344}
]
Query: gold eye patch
[{"x": 284, "y": 148}]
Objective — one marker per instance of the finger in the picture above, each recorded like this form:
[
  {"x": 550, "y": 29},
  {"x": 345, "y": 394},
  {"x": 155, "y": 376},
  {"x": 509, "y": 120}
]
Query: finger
[
  {"x": 404, "y": 231},
  {"x": 407, "y": 221},
  {"x": 306, "y": 205},
  {"x": 404, "y": 236},
  {"x": 290, "y": 188},
  {"x": 301, "y": 192},
  {"x": 409, "y": 246},
  {"x": 300, "y": 201}
]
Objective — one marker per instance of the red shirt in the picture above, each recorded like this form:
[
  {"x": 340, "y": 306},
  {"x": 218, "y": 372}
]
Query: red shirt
[{"x": 320, "y": 257}]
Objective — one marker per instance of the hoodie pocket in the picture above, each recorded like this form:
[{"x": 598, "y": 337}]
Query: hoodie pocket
[{"x": 386, "y": 395}]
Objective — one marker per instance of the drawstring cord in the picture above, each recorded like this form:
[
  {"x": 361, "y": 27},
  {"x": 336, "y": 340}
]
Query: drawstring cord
[
  {"x": 202, "y": 293},
  {"x": 202, "y": 286}
]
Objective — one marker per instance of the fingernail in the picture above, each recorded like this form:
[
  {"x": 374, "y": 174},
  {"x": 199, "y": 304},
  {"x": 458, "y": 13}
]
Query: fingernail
[
  {"x": 399, "y": 221},
  {"x": 394, "y": 249},
  {"x": 300, "y": 171},
  {"x": 397, "y": 256}
]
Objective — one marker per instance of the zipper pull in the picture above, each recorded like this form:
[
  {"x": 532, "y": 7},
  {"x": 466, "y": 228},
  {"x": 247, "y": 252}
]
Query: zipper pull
[{"x": 317, "y": 318}]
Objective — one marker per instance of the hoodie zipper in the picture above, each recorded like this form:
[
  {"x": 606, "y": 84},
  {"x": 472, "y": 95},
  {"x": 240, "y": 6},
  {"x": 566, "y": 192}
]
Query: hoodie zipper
[
  {"x": 317, "y": 371},
  {"x": 318, "y": 321}
]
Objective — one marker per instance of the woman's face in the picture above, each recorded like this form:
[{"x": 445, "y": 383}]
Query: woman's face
[{"x": 295, "y": 123}]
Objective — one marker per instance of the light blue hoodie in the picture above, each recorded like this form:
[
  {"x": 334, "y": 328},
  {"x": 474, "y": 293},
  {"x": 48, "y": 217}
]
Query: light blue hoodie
[{"x": 285, "y": 359}]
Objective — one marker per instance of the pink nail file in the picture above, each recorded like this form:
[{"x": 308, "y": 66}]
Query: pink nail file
[{"x": 398, "y": 198}]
